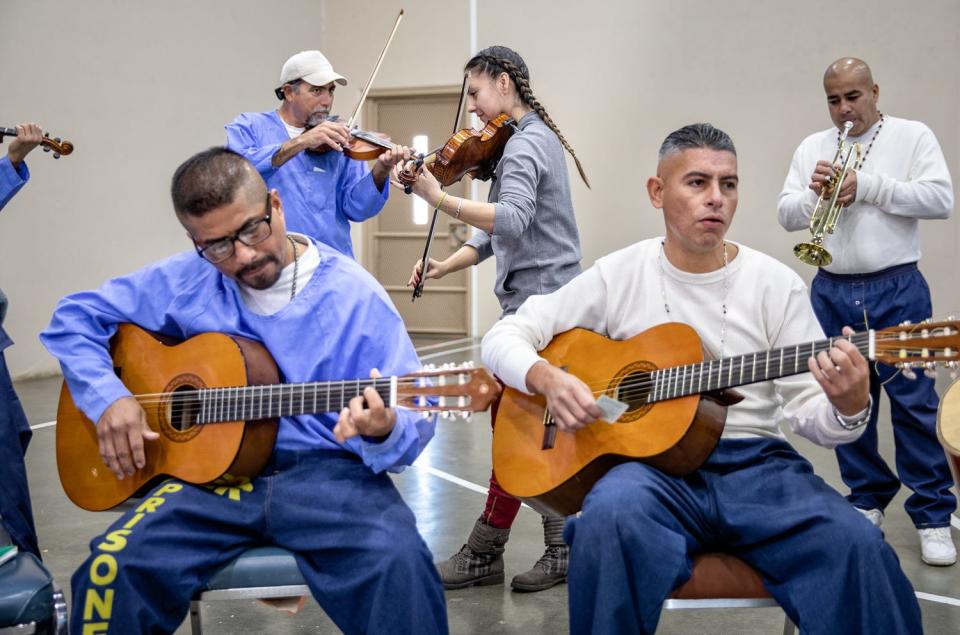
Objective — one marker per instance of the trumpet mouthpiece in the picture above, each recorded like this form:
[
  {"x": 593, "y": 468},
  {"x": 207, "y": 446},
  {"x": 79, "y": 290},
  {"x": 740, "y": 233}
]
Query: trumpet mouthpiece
[{"x": 847, "y": 126}]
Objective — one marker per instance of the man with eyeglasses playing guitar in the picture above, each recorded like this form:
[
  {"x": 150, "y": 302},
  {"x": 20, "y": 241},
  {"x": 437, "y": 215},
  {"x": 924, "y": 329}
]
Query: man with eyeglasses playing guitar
[
  {"x": 324, "y": 494},
  {"x": 754, "y": 496}
]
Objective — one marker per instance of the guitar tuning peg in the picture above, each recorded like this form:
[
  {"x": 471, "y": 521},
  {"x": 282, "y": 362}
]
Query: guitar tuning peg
[
  {"x": 56, "y": 156},
  {"x": 46, "y": 149},
  {"x": 930, "y": 370},
  {"x": 466, "y": 414},
  {"x": 908, "y": 373}
]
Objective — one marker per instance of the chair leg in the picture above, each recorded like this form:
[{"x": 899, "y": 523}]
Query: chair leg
[
  {"x": 789, "y": 628},
  {"x": 196, "y": 625},
  {"x": 61, "y": 624}
]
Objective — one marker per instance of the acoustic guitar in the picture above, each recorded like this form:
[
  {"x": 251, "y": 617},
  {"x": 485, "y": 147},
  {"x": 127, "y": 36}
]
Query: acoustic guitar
[
  {"x": 948, "y": 428},
  {"x": 676, "y": 403},
  {"x": 216, "y": 401}
]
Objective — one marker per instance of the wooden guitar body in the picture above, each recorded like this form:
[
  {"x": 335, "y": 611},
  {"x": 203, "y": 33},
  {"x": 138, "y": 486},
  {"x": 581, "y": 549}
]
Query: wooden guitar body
[
  {"x": 675, "y": 436},
  {"x": 948, "y": 428},
  {"x": 196, "y": 454}
]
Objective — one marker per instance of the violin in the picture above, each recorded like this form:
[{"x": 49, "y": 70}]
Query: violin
[
  {"x": 364, "y": 145},
  {"x": 468, "y": 152},
  {"x": 56, "y": 145}
]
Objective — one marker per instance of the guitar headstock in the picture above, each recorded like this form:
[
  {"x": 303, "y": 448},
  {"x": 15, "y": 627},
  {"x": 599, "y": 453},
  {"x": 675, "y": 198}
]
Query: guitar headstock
[
  {"x": 449, "y": 389},
  {"x": 925, "y": 345}
]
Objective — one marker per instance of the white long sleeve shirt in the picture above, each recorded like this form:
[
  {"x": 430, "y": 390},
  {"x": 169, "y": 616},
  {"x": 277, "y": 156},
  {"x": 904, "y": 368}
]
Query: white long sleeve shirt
[
  {"x": 903, "y": 179},
  {"x": 620, "y": 296}
]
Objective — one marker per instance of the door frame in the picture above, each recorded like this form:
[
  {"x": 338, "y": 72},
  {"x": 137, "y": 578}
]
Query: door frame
[{"x": 369, "y": 113}]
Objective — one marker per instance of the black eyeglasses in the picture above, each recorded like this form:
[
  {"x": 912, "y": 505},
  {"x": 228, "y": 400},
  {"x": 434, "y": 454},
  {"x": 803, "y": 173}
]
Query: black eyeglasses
[{"x": 253, "y": 233}]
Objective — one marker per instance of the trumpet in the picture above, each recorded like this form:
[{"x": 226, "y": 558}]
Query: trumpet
[{"x": 827, "y": 212}]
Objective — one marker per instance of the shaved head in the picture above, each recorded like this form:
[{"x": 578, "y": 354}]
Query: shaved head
[
  {"x": 851, "y": 95},
  {"x": 849, "y": 67}
]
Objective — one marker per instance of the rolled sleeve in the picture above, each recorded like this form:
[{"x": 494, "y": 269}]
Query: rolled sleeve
[{"x": 482, "y": 243}]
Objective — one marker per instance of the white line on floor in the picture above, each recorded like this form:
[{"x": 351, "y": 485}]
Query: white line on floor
[
  {"x": 942, "y": 599},
  {"x": 456, "y": 480},
  {"x": 44, "y": 425}
]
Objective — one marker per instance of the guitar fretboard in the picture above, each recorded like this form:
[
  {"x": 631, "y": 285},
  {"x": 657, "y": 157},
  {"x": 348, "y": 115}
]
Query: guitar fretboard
[
  {"x": 250, "y": 403},
  {"x": 728, "y": 372}
]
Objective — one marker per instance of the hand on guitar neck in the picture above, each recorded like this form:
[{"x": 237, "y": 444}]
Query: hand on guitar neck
[
  {"x": 121, "y": 431},
  {"x": 375, "y": 421},
  {"x": 844, "y": 375}
]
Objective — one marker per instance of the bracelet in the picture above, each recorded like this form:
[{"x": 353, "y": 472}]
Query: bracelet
[
  {"x": 440, "y": 202},
  {"x": 459, "y": 204},
  {"x": 852, "y": 423}
]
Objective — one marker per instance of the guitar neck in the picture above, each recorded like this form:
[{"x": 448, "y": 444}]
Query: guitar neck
[
  {"x": 251, "y": 403},
  {"x": 729, "y": 372}
]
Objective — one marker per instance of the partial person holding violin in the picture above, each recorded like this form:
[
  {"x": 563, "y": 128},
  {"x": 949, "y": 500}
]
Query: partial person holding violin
[
  {"x": 305, "y": 154},
  {"x": 528, "y": 223},
  {"x": 16, "y": 514}
]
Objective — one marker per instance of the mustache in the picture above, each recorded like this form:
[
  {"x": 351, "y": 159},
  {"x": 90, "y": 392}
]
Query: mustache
[
  {"x": 256, "y": 264},
  {"x": 317, "y": 117}
]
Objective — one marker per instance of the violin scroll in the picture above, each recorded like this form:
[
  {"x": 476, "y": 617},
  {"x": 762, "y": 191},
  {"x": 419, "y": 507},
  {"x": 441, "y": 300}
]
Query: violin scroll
[{"x": 56, "y": 145}]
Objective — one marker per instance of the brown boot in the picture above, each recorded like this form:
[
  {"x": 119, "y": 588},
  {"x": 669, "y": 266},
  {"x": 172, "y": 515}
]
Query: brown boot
[
  {"x": 479, "y": 562},
  {"x": 551, "y": 569}
]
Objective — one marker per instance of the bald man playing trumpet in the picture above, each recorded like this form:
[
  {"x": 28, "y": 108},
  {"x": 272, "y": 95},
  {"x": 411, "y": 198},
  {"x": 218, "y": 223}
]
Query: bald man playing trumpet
[{"x": 900, "y": 179}]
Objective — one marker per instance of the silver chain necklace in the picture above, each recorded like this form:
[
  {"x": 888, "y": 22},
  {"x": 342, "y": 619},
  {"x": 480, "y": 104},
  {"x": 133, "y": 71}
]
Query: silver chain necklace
[
  {"x": 723, "y": 306},
  {"x": 296, "y": 266}
]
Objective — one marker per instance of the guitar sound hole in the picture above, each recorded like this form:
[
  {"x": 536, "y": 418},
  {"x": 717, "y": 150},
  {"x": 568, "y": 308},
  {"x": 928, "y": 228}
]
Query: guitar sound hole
[
  {"x": 634, "y": 389},
  {"x": 184, "y": 408}
]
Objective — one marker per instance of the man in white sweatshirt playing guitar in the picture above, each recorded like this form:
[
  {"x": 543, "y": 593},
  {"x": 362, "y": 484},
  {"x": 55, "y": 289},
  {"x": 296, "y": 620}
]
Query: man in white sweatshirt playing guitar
[{"x": 755, "y": 496}]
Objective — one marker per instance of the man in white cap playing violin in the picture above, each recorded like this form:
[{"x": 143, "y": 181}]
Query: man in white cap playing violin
[{"x": 299, "y": 152}]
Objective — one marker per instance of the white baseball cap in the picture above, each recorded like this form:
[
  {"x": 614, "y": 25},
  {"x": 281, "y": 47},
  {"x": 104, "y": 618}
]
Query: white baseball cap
[{"x": 311, "y": 67}]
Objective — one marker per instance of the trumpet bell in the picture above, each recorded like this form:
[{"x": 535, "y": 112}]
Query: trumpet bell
[{"x": 812, "y": 254}]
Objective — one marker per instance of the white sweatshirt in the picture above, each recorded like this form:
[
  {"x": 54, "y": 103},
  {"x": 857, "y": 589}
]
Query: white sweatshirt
[
  {"x": 620, "y": 296},
  {"x": 903, "y": 179}
]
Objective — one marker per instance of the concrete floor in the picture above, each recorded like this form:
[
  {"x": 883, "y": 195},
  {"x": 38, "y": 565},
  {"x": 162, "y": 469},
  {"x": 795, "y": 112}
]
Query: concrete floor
[{"x": 446, "y": 492}]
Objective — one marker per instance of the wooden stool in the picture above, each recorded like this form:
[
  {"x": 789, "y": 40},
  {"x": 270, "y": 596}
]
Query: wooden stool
[{"x": 723, "y": 581}]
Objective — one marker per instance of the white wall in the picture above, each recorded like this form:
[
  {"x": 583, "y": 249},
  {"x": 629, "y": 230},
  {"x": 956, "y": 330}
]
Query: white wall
[{"x": 138, "y": 87}]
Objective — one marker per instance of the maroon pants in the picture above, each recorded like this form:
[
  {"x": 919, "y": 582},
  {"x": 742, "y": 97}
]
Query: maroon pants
[{"x": 501, "y": 508}]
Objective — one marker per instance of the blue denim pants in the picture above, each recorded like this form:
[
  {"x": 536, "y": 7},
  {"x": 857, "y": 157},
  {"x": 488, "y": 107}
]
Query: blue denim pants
[
  {"x": 826, "y": 565},
  {"x": 355, "y": 541},
  {"x": 878, "y": 300},
  {"x": 15, "y": 434}
]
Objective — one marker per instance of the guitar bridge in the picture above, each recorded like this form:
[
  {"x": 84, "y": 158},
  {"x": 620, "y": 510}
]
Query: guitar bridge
[{"x": 549, "y": 431}]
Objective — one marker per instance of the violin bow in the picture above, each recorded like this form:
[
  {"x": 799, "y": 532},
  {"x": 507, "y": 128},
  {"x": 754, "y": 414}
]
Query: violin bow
[
  {"x": 418, "y": 290},
  {"x": 376, "y": 68}
]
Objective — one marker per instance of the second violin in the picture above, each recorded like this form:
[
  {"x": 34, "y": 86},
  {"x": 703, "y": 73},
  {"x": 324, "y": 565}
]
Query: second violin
[{"x": 467, "y": 152}]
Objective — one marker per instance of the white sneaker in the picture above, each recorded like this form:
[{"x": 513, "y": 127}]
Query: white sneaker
[
  {"x": 875, "y": 516},
  {"x": 936, "y": 546}
]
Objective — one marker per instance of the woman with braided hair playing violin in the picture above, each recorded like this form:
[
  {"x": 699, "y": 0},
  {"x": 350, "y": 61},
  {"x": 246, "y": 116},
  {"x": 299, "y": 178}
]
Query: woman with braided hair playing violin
[{"x": 528, "y": 224}]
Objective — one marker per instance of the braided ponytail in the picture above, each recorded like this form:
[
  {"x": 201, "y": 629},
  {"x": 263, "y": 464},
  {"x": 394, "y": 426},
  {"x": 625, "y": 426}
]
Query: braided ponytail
[{"x": 494, "y": 60}]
